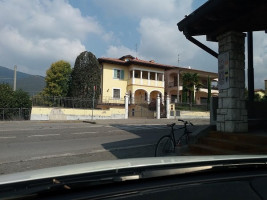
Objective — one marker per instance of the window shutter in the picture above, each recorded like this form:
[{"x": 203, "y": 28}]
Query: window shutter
[
  {"x": 115, "y": 73},
  {"x": 122, "y": 74}
]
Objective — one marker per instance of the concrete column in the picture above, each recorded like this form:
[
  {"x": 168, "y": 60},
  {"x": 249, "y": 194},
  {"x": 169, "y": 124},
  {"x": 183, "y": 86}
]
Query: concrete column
[
  {"x": 156, "y": 79},
  {"x": 133, "y": 81},
  {"x": 178, "y": 86},
  {"x": 231, "y": 112},
  {"x": 15, "y": 78},
  {"x": 132, "y": 100},
  {"x": 126, "y": 105},
  {"x": 163, "y": 82},
  {"x": 167, "y": 107},
  {"x": 148, "y": 78},
  {"x": 158, "y": 107},
  {"x": 148, "y": 98},
  {"x": 141, "y": 77}
]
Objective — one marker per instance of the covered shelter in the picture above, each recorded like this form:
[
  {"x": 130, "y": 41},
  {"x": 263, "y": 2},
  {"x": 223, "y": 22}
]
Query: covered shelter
[{"x": 226, "y": 22}]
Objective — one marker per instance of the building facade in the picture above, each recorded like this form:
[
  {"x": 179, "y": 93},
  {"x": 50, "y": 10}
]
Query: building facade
[
  {"x": 174, "y": 84},
  {"x": 142, "y": 80}
]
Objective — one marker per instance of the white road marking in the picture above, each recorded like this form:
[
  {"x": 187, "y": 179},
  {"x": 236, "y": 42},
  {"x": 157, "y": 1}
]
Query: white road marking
[
  {"x": 10, "y": 137},
  {"x": 46, "y": 135},
  {"x": 81, "y": 133},
  {"x": 52, "y": 156},
  {"x": 90, "y": 152},
  {"x": 49, "y": 128}
]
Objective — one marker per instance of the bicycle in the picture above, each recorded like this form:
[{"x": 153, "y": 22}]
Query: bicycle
[{"x": 167, "y": 143}]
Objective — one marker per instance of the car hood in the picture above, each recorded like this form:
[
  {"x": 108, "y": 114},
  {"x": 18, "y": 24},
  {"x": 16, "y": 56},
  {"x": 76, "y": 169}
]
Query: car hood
[{"x": 102, "y": 166}]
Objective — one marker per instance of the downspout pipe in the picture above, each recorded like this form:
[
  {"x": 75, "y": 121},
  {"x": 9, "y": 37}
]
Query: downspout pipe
[
  {"x": 202, "y": 46},
  {"x": 250, "y": 67}
]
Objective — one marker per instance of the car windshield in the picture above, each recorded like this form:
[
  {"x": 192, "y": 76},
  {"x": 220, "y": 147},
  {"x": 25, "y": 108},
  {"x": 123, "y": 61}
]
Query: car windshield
[{"x": 86, "y": 81}]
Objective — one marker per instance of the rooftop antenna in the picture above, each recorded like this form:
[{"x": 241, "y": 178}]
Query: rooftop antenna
[{"x": 178, "y": 60}]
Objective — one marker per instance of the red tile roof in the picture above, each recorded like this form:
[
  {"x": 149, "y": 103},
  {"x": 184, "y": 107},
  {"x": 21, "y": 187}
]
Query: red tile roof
[
  {"x": 131, "y": 60},
  {"x": 135, "y": 61}
]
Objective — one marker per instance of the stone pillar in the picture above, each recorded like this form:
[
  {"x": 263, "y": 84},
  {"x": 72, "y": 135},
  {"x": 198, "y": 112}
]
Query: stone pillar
[
  {"x": 158, "y": 107},
  {"x": 126, "y": 105},
  {"x": 167, "y": 107},
  {"x": 231, "y": 113}
]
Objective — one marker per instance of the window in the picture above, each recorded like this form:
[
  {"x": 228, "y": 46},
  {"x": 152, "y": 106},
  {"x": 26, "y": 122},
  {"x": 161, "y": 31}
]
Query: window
[
  {"x": 116, "y": 93},
  {"x": 118, "y": 74}
]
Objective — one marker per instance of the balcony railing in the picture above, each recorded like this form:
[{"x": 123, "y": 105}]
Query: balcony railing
[
  {"x": 172, "y": 84},
  {"x": 146, "y": 82},
  {"x": 213, "y": 87}
]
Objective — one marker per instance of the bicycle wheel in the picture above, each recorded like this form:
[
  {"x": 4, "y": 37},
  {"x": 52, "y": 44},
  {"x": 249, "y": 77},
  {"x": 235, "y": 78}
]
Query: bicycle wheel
[{"x": 165, "y": 146}]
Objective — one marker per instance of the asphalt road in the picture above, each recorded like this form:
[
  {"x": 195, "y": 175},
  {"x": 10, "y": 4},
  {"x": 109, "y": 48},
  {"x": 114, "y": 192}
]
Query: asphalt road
[{"x": 33, "y": 145}]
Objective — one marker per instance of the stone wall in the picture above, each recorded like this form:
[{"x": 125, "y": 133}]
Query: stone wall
[{"x": 232, "y": 113}]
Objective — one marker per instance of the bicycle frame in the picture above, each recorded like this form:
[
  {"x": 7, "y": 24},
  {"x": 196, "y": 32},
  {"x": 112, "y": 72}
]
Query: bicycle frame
[{"x": 186, "y": 132}]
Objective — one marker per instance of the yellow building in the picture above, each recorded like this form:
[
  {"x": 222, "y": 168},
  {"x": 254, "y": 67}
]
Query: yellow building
[{"x": 141, "y": 80}]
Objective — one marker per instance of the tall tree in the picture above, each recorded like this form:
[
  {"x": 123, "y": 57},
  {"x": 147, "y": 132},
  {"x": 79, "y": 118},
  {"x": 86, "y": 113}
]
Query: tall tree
[
  {"x": 57, "y": 79},
  {"x": 190, "y": 82},
  {"x": 6, "y": 96},
  {"x": 86, "y": 77},
  {"x": 12, "y": 100},
  {"x": 22, "y": 99}
]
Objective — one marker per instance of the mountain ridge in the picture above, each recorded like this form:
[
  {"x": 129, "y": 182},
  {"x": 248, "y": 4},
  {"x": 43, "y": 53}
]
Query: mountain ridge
[{"x": 33, "y": 84}]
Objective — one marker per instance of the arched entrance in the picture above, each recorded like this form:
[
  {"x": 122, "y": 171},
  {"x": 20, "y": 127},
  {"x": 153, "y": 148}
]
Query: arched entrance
[
  {"x": 139, "y": 107},
  {"x": 154, "y": 94},
  {"x": 153, "y": 103},
  {"x": 140, "y": 96}
]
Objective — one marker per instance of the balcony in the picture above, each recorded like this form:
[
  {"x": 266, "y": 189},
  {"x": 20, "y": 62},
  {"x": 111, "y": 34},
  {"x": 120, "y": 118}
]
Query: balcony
[
  {"x": 172, "y": 84},
  {"x": 145, "y": 82}
]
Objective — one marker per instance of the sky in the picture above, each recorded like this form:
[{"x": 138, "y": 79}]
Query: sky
[{"x": 36, "y": 33}]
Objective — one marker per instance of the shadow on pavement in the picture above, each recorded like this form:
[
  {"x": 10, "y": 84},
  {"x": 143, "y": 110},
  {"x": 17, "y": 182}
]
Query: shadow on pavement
[{"x": 144, "y": 143}]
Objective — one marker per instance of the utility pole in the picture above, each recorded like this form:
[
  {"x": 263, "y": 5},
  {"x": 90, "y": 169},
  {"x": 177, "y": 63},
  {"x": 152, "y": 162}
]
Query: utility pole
[{"x": 15, "y": 78}]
